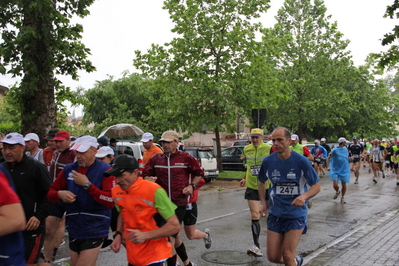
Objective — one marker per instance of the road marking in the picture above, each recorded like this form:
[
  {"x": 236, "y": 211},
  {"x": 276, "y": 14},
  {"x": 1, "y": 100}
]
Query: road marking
[{"x": 221, "y": 216}]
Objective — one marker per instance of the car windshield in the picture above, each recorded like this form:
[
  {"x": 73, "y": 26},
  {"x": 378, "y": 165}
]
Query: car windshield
[
  {"x": 232, "y": 152},
  {"x": 206, "y": 154}
]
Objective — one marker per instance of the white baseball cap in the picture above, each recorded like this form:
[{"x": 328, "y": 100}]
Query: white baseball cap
[
  {"x": 340, "y": 140},
  {"x": 294, "y": 137},
  {"x": 104, "y": 151},
  {"x": 32, "y": 136},
  {"x": 14, "y": 138},
  {"x": 323, "y": 139},
  {"x": 147, "y": 137},
  {"x": 83, "y": 143}
]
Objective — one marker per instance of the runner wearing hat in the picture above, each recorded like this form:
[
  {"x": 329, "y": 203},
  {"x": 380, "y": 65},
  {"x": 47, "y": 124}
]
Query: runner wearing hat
[
  {"x": 87, "y": 194},
  {"x": 143, "y": 235}
]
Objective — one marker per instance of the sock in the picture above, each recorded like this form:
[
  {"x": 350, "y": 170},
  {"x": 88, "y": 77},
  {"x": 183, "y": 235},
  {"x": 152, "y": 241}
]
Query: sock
[
  {"x": 255, "y": 226},
  {"x": 172, "y": 261},
  {"x": 181, "y": 251}
]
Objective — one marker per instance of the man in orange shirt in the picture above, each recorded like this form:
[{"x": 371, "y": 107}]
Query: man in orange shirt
[{"x": 150, "y": 149}]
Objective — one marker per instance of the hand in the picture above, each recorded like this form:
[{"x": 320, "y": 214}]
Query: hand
[
  {"x": 79, "y": 179},
  {"x": 262, "y": 210},
  {"x": 32, "y": 224},
  {"x": 188, "y": 190},
  {"x": 328, "y": 169},
  {"x": 66, "y": 196},
  {"x": 242, "y": 182},
  {"x": 151, "y": 178},
  {"x": 298, "y": 201},
  {"x": 136, "y": 236},
  {"x": 116, "y": 244}
]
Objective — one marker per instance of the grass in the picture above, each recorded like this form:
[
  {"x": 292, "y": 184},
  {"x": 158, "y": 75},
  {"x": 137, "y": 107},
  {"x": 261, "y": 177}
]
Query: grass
[{"x": 232, "y": 174}]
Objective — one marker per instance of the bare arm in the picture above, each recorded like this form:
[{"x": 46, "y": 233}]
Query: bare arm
[
  {"x": 300, "y": 200},
  {"x": 12, "y": 218},
  {"x": 171, "y": 227},
  {"x": 261, "y": 193}
]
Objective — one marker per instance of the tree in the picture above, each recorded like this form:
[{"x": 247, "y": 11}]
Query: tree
[
  {"x": 390, "y": 58},
  {"x": 313, "y": 66},
  {"x": 124, "y": 100},
  {"x": 206, "y": 77},
  {"x": 39, "y": 42}
]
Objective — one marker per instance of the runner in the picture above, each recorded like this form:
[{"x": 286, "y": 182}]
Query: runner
[{"x": 355, "y": 152}]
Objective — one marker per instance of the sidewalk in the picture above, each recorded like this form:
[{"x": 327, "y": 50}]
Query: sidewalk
[{"x": 374, "y": 243}]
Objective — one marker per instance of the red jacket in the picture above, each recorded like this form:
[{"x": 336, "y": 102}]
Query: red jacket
[{"x": 173, "y": 173}]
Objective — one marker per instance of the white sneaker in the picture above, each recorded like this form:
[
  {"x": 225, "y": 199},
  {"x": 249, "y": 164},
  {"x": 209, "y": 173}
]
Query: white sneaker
[
  {"x": 255, "y": 251},
  {"x": 208, "y": 239}
]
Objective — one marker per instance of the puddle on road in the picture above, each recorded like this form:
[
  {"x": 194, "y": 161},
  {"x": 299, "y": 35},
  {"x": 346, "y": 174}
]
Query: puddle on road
[{"x": 228, "y": 257}]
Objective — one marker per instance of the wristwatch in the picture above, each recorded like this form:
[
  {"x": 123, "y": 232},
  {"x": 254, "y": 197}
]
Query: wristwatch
[
  {"x": 87, "y": 185},
  {"x": 117, "y": 233},
  {"x": 193, "y": 185}
]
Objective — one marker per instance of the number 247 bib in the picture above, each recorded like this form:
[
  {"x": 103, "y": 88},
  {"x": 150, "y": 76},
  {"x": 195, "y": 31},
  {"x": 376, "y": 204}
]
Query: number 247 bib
[{"x": 287, "y": 189}]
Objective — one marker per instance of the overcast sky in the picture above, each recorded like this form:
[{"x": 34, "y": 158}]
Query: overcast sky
[{"x": 115, "y": 29}]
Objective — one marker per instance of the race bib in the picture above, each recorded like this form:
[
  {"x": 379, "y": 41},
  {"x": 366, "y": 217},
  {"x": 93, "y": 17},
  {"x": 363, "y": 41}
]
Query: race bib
[
  {"x": 255, "y": 170},
  {"x": 355, "y": 155},
  {"x": 287, "y": 189}
]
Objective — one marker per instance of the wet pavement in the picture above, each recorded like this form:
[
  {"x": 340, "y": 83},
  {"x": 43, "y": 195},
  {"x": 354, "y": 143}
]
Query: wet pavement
[{"x": 364, "y": 231}]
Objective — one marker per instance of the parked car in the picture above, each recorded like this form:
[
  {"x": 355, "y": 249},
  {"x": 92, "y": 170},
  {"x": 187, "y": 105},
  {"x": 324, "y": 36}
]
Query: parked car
[
  {"x": 242, "y": 143},
  {"x": 133, "y": 148},
  {"x": 231, "y": 158},
  {"x": 207, "y": 160}
]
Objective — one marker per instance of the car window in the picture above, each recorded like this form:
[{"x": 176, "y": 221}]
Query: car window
[
  {"x": 228, "y": 152},
  {"x": 192, "y": 153},
  {"x": 206, "y": 154},
  {"x": 238, "y": 152},
  {"x": 126, "y": 149}
]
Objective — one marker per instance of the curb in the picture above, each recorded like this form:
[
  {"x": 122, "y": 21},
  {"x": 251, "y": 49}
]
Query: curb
[{"x": 227, "y": 179}]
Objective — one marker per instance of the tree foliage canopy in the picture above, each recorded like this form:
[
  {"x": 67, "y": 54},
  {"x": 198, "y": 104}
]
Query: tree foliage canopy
[
  {"x": 204, "y": 76},
  {"x": 39, "y": 42}
]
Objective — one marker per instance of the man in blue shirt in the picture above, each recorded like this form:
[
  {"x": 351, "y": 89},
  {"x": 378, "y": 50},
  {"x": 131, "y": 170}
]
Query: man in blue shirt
[{"x": 288, "y": 174}]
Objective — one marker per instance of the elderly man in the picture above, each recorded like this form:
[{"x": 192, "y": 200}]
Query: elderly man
[
  {"x": 143, "y": 234},
  {"x": 150, "y": 149},
  {"x": 178, "y": 173},
  {"x": 32, "y": 142},
  {"x": 254, "y": 154},
  {"x": 87, "y": 194},
  {"x": 289, "y": 175},
  {"x": 32, "y": 182},
  {"x": 55, "y": 222}
]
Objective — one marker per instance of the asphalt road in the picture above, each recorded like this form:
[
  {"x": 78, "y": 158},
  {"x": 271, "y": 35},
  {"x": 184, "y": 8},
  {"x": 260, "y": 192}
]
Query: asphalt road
[{"x": 224, "y": 211}]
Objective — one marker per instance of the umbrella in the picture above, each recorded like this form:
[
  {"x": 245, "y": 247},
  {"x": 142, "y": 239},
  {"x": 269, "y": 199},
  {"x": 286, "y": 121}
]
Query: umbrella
[{"x": 122, "y": 130}]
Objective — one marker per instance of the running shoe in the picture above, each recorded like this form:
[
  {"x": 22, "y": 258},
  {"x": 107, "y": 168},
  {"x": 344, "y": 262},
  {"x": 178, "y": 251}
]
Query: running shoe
[
  {"x": 343, "y": 200},
  {"x": 299, "y": 260},
  {"x": 208, "y": 239},
  {"x": 375, "y": 180},
  {"x": 255, "y": 251},
  {"x": 356, "y": 181},
  {"x": 336, "y": 195}
]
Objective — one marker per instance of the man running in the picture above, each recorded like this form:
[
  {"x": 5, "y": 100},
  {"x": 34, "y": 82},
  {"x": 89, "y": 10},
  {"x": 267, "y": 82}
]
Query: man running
[
  {"x": 254, "y": 154},
  {"x": 355, "y": 153},
  {"x": 289, "y": 175}
]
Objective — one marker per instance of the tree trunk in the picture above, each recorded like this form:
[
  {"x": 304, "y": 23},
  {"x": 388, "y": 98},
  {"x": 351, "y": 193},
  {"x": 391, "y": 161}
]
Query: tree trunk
[
  {"x": 218, "y": 149},
  {"x": 38, "y": 84}
]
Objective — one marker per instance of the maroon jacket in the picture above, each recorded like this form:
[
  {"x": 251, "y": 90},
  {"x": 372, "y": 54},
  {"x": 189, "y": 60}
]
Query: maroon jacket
[
  {"x": 59, "y": 160},
  {"x": 173, "y": 173}
]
